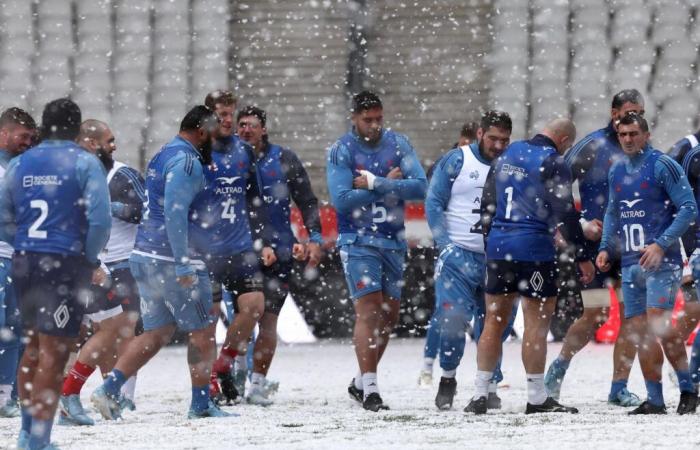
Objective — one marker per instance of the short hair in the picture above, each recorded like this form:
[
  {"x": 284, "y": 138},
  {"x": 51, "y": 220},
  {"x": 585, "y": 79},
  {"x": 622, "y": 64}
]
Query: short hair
[
  {"x": 365, "y": 101},
  {"x": 468, "y": 130},
  {"x": 198, "y": 117},
  {"x": 61, "y": 119},
  {"x": 92, "y": 129},
  {"x": 17, "y": 116},
  {"x": 632, "y": 118},
  {"x": 251, "y": 110},
  {"x": 498, "y": 119},
  {"x": 627, "y": 96},
  {"x": 219, "y": 97}
]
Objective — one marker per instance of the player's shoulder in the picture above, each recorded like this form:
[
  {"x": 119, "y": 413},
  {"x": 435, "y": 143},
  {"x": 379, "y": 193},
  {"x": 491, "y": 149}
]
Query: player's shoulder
[
  {"x": 338, "y": 151},
  {"x": 403, "y": 143}
]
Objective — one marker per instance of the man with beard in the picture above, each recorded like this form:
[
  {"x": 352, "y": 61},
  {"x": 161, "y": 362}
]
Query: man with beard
[
  {"x": 453, "y": 210},
  {"x": 17, "y": 132},
  {"x": 175, "y": 290},
  {"x": 115, "y": 311}
]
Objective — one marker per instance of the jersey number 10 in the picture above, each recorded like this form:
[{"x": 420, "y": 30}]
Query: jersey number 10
[{"x": 634, "y": 237}]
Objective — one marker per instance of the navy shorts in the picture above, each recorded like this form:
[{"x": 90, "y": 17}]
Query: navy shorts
[
  {"x": 532, "y": 279},
  {"x": 53, "y": 291},
  {"x": 239, "y": 273},
  {"x": 276, "y": 285}
]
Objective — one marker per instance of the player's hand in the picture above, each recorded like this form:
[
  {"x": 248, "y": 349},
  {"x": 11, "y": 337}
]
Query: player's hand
[
  {"x": 652, "y": 256},
  {"x": 99, "y": 276},
  {"x": 313, "y": 250},
  {"x": 587, "y": 271},
  {"x": 593, "y": 230},
  {"x": 299, "y": 252},
  {"x": 395, "y": 174},
  {"x": 268, "y": 256},
  {"x": 187, "y": 281},
  {"x": 360, "y": 182},
  {"x": 559, "y": 241},
  {"x": 602, "y": 261}
]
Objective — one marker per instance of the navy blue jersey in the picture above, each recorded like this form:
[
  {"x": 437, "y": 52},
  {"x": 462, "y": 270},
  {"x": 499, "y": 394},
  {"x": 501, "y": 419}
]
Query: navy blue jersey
[
  {"x": 373, "y": 217},
  {"x": 590, "y": 161},
  {"x": 686, "y": 152},
  {"x": 220, "y": 222},
  {"x": 173, "y": 178},
  {"x": 57, "y": 195},
  {"x": 284, "y": 179},
  {"x": 527, "y": 195}
]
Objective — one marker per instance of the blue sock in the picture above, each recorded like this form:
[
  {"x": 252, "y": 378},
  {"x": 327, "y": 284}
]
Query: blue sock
[
  {"x": 685, "y": 384},
  {"x": 562, "y": 364},
  {"x": 114, "y": 382},
  {"x": 615, "y": 387},
  {"x": 655, "y": 394},
  {"x": 694, "y": 363},
  {"x": 200, "y": 398},
  {"x": 26, "y": 420},
  {"x": 40, "y": 435}
]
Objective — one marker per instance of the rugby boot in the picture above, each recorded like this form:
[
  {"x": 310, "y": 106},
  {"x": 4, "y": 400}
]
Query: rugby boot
[
  {"x": 72, "y": 412},
  {"x": 549, "y": 406},
  {"x": 648, "y": 408},
  {"x": 493, "y": 401},
  {"x": 10, "y": 409},
  {"x": 625, "y": 398},
  {"x": 211, "y": 411},
  {"x": 356, "y": 394},
  {"x": 105, "y": 404},
  {"x": 374, "y": 403},
  {"x": 446, "y": 393},
  {"x": 227, "y": 383},
  {"x": 688, "y": 403},
  {"x": 477, "y": 406}
]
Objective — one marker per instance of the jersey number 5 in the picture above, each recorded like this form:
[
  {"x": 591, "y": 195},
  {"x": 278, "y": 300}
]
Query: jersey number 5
[
  {"x": 34, "y": 232},
  {"x": 379, "y": 214}
]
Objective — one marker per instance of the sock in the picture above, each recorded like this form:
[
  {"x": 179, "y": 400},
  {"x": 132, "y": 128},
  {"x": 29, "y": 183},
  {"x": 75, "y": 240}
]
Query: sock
[
  {"x": 224, "y": 361},
  {"x": 561, "y": 363},
  {"x": 241, "y": 362},
  {"x": 200, "y": 398},
  {"x": 655, "y": 394},
  {"x": 129, "y": 388},
  {"x": 40, "y": 435},
  {"x": 369, "y": 383},
  {"x": 428, "y": 364},
  {"x": 694, "y": 361},
  {"x": 615, "y": 387},
  {"x": 481, "y": 383},
  {"x": 114, "y": 382},
  {"x": 685, "y": 383},
  {"x": 493, "y": 387},
  {"x": 449, "y": 373},
  {"x": 5, "y": 393},
  {"x": 76, "y": 378},
  {"x": 536, "y": 393},
  {"x": 358, "y": 380},
  {"x": 26, "y": 420},
  {"x": 257, "y": 380}
]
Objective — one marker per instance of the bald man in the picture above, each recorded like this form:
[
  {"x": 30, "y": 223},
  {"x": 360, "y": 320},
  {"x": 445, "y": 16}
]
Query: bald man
[
  {"x": 527, "y": 193},
  {"x": 115, "y": 311}
]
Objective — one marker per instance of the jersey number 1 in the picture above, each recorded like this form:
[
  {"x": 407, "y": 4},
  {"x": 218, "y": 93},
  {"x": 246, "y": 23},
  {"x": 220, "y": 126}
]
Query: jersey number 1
[{"x": 34, "y": 232}]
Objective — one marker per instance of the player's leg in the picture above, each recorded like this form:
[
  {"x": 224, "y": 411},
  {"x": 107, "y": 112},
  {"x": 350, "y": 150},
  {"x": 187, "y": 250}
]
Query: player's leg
[
  {"x": 430, "y": 351},
  {"x": 10, "y": 329},
  {"x": 393, "y": 265},
  {"x": 624, "y": 352}
]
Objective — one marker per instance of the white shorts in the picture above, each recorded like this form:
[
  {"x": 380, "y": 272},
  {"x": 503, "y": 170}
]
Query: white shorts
[
  {"x": 595, "y": 298},
  {"x": 99, "y": 316}
]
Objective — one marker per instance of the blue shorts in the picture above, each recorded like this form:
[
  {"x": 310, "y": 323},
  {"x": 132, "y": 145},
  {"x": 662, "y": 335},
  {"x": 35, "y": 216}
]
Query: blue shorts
[
  {"x": 649, "y": 289},
  {"x": 459, "y": 280},
  {"x": 371, "y": 269},
  {"x": 165, "y": 302}
]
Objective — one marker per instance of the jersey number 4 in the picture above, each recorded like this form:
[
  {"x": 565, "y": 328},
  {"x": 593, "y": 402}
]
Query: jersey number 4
[
  {"x": 34, "y": 232},
  {"x": 229, "y": 212}
]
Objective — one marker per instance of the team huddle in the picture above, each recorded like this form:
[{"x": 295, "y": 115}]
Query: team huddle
[{"x": 86, "y": 241}]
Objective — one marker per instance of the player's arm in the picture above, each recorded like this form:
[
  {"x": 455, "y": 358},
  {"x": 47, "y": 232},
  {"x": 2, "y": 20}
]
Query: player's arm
[
  {"x": 438, "y": 196},
  {"x": 257, "y": 212},
  {"x": 488, "y": 202},
  {"x": 557, "y": 181},
  {"x": 92, "y": 180},
  {"x": 183, "y": 180},
  {"x": 302, "y": 194},
  {"x": 339, "y": 176},
  {"x": 670, "y": 175},
  {"x": 692, "y": 171},
  {"x": 611, "y": 223},
  {"x": 131, "y": 195},
  {"x": 580, "y": 157},
  {"x": 8, "y": 225},
  {"x": 414, "y": 183}
]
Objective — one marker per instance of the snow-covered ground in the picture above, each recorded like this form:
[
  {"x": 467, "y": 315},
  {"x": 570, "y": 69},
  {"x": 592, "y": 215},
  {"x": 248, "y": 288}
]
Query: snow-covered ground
[{"x": 313, "y": 411}]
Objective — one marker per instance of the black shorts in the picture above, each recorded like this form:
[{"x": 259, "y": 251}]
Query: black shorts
[
  {"x": 276, "y": 285},
  {"x": 240, "y": 274},
  {"x": 121, "y": 292},
  {"x": 528, "y": 278},
  {"x": 602, "y": 280},
  {"x": 53, "y": 291}
]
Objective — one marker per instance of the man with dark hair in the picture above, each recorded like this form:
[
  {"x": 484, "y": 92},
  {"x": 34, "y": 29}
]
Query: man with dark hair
[
  {"x": 453, "y": 210},
  {"x": 227, "y": 219},
  {"x": 467, "y": 134},
  {"x": 371, "y": 172},
  {"x": 223, "y": 103},
  {"x": 589, "y": 161},
  {"x": 284, "y": 180},
  {"x": 175, "y": 290},
  {"x": 54, "y": 207},
  {"x": 650, "y": 206},
  {"x": 527, "y": 196},
  {"x": 115, "y": 311},
  {"x": 17, "y": 132}
]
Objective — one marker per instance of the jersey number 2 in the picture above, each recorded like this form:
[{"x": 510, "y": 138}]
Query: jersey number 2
[{"x": 34, "y": 231}]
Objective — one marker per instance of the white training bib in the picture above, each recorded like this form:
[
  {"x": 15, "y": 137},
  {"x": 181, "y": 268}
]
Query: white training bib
[{"x": 123, "y": 234}]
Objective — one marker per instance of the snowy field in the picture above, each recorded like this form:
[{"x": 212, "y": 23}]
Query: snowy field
[{"x": 313, "y": 411}]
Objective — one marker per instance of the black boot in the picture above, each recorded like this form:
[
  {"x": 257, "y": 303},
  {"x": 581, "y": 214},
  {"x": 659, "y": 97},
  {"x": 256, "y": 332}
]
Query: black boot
[{"x": 446, "y": 393}]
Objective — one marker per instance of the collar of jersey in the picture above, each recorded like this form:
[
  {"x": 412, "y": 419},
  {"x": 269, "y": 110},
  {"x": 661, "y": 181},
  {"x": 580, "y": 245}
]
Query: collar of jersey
[
  {"x": 637, "y": 160},
  {"x": 365, "y": 146}
]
